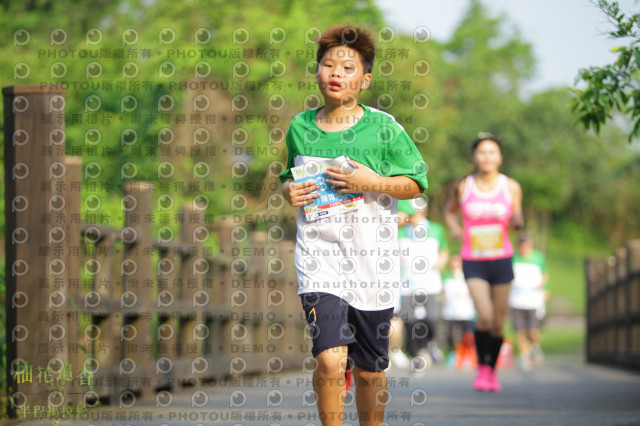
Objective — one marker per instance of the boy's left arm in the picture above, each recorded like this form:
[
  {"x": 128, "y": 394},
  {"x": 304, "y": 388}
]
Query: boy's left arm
[{"x": 362, "y": 179}]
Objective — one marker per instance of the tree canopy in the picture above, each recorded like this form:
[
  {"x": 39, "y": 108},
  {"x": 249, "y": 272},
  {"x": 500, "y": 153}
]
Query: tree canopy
[
  {"x": 613, "y": 87},
  {"x": 206, "y": 90}
]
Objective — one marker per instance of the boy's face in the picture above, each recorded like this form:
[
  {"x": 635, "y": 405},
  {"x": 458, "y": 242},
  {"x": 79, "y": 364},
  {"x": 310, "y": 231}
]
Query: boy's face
[
  {"x": 525, "y": 248},
  {"x": 341, "y": 75}
]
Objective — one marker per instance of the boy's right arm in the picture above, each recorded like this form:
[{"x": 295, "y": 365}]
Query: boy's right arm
[{"x": 299, "y": 194}]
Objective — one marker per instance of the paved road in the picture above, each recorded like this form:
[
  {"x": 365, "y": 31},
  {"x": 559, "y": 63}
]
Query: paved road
[{"x": 565, "y": 391}]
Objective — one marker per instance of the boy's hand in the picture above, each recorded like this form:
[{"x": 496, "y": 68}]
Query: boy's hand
[
  {"x": 358, "y": 179},
  {"x": 300, "y": 194}
]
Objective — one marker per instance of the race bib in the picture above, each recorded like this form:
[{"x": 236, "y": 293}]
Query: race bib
[{"x": 486, "y": 240}]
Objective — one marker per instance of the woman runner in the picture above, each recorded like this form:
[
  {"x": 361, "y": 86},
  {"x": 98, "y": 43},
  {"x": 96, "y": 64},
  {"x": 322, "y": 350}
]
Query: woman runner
[{"x": 490, "y": 203}]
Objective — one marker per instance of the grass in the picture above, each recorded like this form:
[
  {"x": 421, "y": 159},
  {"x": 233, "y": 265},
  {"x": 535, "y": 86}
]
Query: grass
[
  {"x": 556, "y": 340},
  {"x": 564, "y": 341},
  {"x": 565, "y": 261}
]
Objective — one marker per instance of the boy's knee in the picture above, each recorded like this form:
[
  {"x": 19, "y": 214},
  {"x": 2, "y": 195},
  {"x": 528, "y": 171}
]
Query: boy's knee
[
  {"x": 331, "y": 363},
  {"x": 326, "y": 369}
]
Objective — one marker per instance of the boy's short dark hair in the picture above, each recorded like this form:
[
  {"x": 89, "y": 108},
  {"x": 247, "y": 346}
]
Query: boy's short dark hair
[
  {"x": 354, "y": 37},
  {"x": 524, "y": 237},
  {"x": 484, "y": 136}
]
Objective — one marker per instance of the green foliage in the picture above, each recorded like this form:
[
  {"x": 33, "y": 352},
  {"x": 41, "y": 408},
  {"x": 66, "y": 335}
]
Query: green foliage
[
  {"x": 473, "y": 85},
  {"x": 117, "y": 136},
  {"x": 586, "y": 185},
  {"x": 557, "y": 340},
  {"x": 614, "y": 86},
  {"x": 479, "y": 73},
  {"x": 564, "y": 341}
]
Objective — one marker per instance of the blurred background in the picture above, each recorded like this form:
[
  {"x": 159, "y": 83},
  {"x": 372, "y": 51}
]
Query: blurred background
[{"x": 196, "y": 97}]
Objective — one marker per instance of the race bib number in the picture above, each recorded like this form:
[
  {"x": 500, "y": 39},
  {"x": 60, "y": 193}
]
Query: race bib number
[{"x": 486, "y": 240}]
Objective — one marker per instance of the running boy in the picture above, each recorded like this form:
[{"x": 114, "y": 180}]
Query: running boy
[{"x": 348, "y": 264}]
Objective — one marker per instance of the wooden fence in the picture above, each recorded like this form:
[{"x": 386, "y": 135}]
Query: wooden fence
[
  {"x": 613, "y": 307},
  {"x": 106, "y": 314}
]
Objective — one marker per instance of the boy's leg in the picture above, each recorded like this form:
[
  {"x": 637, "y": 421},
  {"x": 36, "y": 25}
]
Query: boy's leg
[
  {"x": 534, "y": 336},
  {"x": 524, "y": 346},
  {"x": 524, "y": 349},
  {"x": 520, "y": 326},
  {"x": 371, "y": 396},
  {"x": 327, "y": 318},
  {"x": 534, "y": 328},
  {"x": 369, "y": 358},
  {"x": 329, "y": 384},
  {"x": 536, "y": 350}
]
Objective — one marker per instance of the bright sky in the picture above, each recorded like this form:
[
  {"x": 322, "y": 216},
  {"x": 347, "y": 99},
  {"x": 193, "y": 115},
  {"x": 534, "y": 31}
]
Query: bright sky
[{"x": 566, "y": 34}]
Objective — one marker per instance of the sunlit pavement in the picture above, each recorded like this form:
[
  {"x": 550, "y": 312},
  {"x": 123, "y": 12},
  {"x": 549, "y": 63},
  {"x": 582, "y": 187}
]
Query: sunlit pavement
[{"x": 564, "y": 391}]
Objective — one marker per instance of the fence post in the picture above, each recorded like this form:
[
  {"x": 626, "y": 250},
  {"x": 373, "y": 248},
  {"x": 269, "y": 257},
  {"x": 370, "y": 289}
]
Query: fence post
[
  {"x": 102, "y": 336},
  {"x": 255, "y": 293},
  {"x": 595, "y": 272},
  {"x": 633, "y": 259},
  {"x": 633, "y": 301},
  {"x": 225, "y": 290},
  {"x": 193, "y": 268},
  {"x": 33, "y": 150},
  {"x": 138, "y": 285},
  {"x": 622, "y": 328},
  {"x": 73, "y": 198},
  {"x": 168, "y": 323}
]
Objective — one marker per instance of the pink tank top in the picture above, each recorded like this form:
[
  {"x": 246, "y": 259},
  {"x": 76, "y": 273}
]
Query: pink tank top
[{"x": 485, "y": 216}]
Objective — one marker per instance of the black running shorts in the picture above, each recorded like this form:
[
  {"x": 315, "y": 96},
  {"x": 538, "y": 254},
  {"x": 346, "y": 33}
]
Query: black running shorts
[
  {"x": 333, "y": 322},
  {"x": 493, "y": 271}
]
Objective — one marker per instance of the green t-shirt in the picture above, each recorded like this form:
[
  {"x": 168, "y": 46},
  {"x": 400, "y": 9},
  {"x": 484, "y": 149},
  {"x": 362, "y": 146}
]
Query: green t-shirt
[
  {"x": 354, "y": 255},
  {"x": 378, "y": 141},
  {"x": 535, "y": 258}
]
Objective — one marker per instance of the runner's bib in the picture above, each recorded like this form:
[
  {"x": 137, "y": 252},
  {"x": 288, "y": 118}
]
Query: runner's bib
[{"x": 486, "y": 240}]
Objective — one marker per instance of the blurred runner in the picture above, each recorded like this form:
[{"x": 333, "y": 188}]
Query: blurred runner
[
  {"x": 527, "y": 300},
  {"x": 490, "y": 203}
]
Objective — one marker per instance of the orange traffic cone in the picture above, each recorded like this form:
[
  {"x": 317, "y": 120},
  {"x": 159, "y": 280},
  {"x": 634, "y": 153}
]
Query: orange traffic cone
[{"x": 466, "y": 353}]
